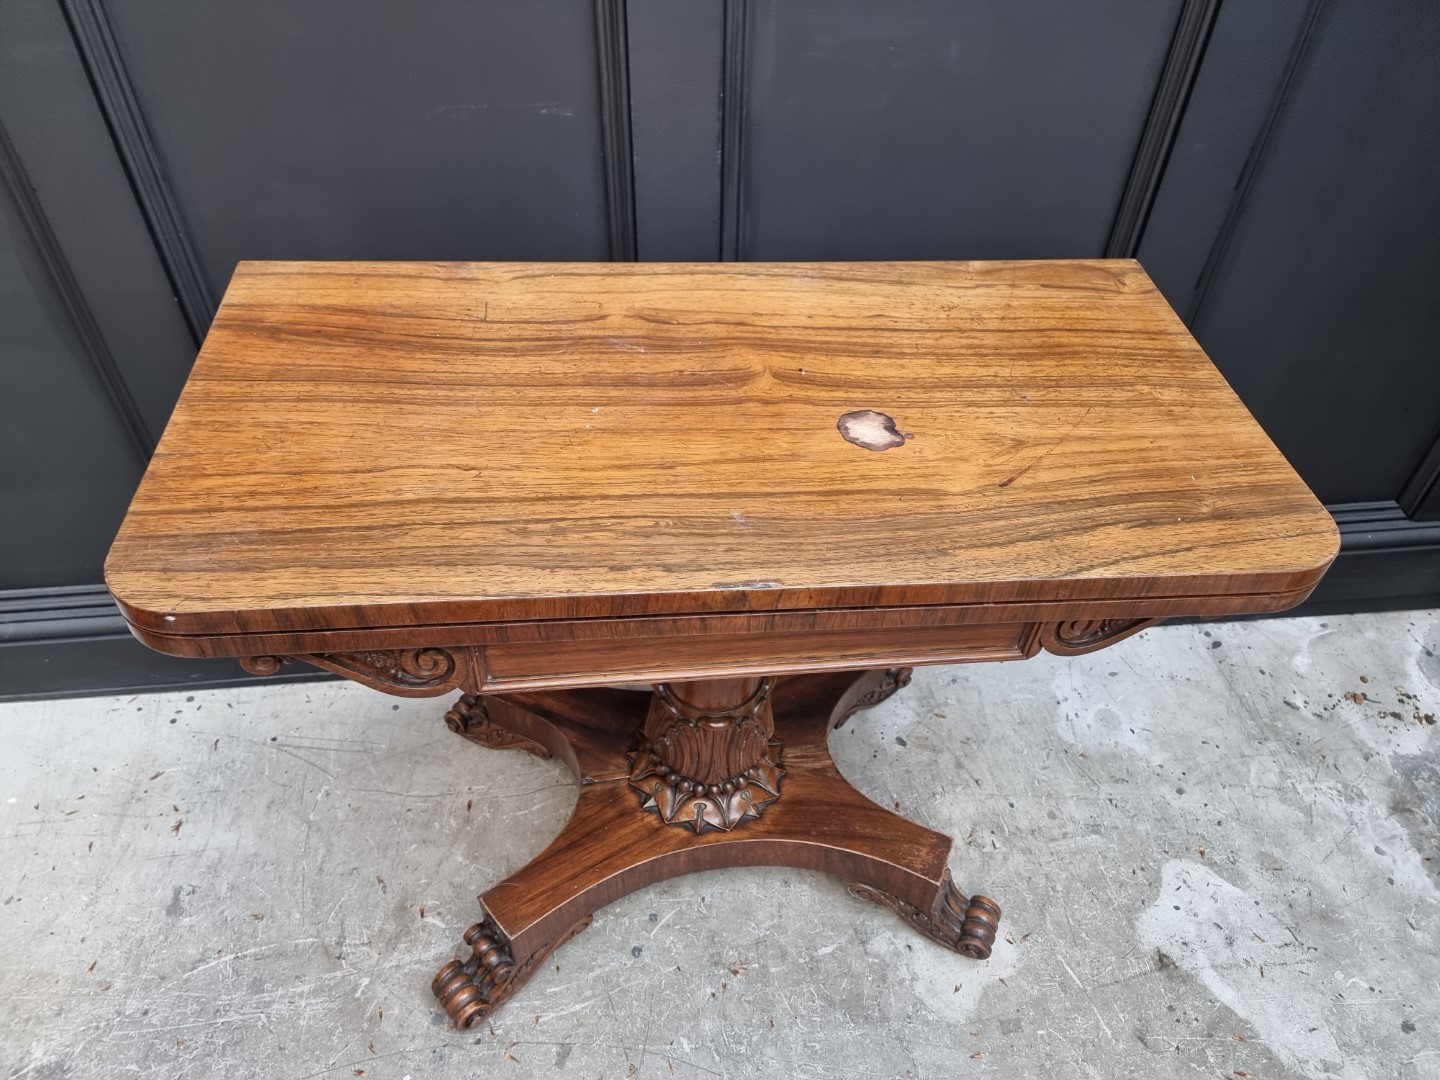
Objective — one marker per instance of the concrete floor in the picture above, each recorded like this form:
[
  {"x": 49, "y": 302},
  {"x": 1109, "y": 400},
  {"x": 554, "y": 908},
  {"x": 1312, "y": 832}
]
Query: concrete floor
[{"x": 1216, "y": 849}]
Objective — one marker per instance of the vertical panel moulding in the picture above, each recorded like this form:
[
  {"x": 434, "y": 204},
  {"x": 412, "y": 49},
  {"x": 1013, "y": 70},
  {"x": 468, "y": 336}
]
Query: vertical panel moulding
[
  {"x": 617, "y": 145},
  {"x": 732, "y": 130},
  {"x": 115, "y": 94}
]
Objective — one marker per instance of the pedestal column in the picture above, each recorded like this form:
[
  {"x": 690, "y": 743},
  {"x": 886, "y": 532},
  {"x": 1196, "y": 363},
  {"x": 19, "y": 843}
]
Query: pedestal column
[{"x": 708, "y": 758}]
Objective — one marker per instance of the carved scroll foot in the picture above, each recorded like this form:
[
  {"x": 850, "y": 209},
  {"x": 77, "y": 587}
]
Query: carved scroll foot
[
  {"x": 470, "y": 719},
  {"x": 967, "y": 926},
  {"x": 472, "y": 989}
]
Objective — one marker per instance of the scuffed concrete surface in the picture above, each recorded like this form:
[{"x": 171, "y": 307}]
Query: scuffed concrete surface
[{"x": 1216, "y": 848}]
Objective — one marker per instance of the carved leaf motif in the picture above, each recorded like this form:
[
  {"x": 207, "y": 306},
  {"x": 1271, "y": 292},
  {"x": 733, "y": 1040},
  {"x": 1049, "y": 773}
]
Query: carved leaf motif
[
  {"x": 1086, "y": 635},
  {"x": 469, "y": 719},
  {"x": 408, "y": 672},
  {"x": 709, "y": 745},
  {"x": 708, "y": 756},
  {"x": 703, "y": 807}
]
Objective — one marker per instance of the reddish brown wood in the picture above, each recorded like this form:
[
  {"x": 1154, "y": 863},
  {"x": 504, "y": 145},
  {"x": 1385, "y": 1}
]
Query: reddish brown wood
[
  {"x": 665, "y": 650},
  {"x": 470, "y": 719},
  {"x": 611, "y": 846},
  {"x": 712, "y": 731},
  {"x": 591, "y": 730},
  {"x": 536, "y": 654},
  {"x": 419, "y": 446},
  {"x": 407, "y": 672},
  {"x": 1086, "y": 635},
  {"x": 473, "y": 988},
  {"x": 706, "y": 758},
  {"x": 529, "y": 480},
  {"x": 868, "y": 691},
  {"x": 568, "y": 662}
]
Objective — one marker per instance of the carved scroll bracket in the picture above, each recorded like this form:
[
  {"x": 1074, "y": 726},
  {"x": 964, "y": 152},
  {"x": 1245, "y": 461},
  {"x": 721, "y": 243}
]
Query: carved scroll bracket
[
  {"x": 426, "y": 672},
  {"x": 1086, "y": 635},
  {"x": 470, "y": 718},
  {"x": 876, "y": 687}
]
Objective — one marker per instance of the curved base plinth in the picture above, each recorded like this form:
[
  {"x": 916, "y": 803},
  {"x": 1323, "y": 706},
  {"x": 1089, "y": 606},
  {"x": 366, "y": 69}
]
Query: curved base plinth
[{"x": 612, "y": 845}]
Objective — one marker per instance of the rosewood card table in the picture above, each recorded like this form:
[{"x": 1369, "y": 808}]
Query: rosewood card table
[{"x": 764, "y": 490}]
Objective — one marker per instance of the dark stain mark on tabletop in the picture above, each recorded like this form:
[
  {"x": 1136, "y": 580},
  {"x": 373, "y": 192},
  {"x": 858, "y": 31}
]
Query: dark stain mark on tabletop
[{"x": 872, "y": 430}]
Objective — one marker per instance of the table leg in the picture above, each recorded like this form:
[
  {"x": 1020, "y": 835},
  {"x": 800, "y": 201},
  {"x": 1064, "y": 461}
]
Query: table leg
[{"x": 697, "y": 776}]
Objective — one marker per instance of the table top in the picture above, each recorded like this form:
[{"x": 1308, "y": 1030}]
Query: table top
[{"x": 402, "y": 445}]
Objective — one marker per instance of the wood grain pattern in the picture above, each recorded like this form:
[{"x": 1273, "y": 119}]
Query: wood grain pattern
[
  {"x": 707, "y": 758},
  {"x": 412, "y": 446},
  {"x": 530, "y": 477},
  {"x": 610, "y": 847},
  {"x": 565, "y": 663}
]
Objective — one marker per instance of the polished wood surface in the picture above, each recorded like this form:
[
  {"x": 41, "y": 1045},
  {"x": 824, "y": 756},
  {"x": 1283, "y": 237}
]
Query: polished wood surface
[
  {"x": 766, "y": 490},
  {"x": 410, "y": 447},
  {"x": 611, "y": 846},
  {"x": 936, "y": 638}
]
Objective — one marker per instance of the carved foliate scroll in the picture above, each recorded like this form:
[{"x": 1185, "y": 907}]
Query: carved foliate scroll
[
  {"x": 879, "y": 686},
  {"x": 470, "y": 719},
  {"x": 1087, "y": 635},
  {"x": 407, "y": 672}
]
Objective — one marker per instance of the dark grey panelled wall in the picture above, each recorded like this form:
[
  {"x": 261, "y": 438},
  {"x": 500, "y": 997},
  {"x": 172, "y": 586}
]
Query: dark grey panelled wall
[
  {"x": 1274, "y": 165},
  {"x": 58, "y": 510},
  {"x": 444, "y": 129},
  {"x": 676, "y": 57},
  {"x": 942, "y": 130},
  {"x": 92, "y": 351},
  {"x": 1320, "y": 295},
  {"x": 1298, "y": 230}
]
